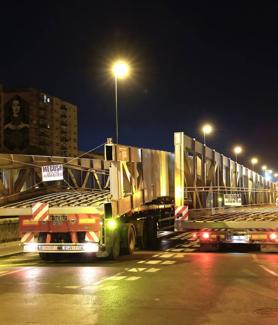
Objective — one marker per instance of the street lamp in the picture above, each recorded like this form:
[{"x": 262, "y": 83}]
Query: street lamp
[
  {"x": 254, "y": 161},
  {"x": 120, "y": 70},
  {"x": 207, "y": 129},
  {"x": 264, "y": 167},
  {"x": 237, "y": 151}
]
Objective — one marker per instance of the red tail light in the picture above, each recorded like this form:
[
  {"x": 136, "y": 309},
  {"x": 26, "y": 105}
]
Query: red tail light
[
  {"x": 205, "y": 235},
  {"x": 273, "y": 236}
]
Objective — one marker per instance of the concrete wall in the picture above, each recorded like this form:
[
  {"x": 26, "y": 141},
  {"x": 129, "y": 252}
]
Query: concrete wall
[{"x": 9, "y": 229}]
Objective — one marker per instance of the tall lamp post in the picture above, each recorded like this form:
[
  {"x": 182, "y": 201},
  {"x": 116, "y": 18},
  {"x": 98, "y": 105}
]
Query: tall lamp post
[
  {"x": 237, "y": 151},
  {"x": 120, "y": 70},
  {"x": 206, "y": 129},
  {"x": 254, "y": 161}
]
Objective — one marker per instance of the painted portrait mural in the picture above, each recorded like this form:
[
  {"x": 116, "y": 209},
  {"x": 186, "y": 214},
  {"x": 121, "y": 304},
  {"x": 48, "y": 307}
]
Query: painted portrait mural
[{"x": 16, "y": 124}]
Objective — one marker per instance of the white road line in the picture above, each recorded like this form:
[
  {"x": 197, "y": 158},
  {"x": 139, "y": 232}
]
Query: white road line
[{"x": 268, "y": 270}]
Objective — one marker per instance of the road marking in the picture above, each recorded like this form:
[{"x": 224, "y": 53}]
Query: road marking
[
  {"x": 15, "y": 271},
  {"x": 168, "y": 262},
  {"x": 133, "y": 278},
  {"x": 152, "y": 270},
  {"x": 71, "y": 287},
  {"x": 255, "y": 258},
  {"x": 268, "y": 270},
  {"x": 135, "y": 270}
]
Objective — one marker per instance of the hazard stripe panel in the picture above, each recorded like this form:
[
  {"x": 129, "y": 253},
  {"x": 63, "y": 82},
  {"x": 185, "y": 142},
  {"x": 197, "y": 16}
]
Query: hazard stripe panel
[
  {"x": 181, "y": 213},
  {"x": 28, "y": 237},
  {"x": 40, "y": 211},
  {"x": 91, "y": 236}
]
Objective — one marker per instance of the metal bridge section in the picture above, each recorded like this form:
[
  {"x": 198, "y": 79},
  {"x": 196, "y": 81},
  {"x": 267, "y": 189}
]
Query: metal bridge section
[
  {"x": 21, "y": 177},
  {"x": 129, "y": 179},
  {"x": 203, "y": 176},
  {"x": 139, "y": 177}
]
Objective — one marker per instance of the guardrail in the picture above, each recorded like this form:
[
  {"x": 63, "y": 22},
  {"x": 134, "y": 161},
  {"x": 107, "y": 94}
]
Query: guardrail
[{"x": 9, "y": 229}]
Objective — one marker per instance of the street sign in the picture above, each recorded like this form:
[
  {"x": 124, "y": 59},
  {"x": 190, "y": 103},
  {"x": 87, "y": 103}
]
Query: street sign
[
  {"x": 232, "y": 200},
  {"x": 52, "y": 173}
]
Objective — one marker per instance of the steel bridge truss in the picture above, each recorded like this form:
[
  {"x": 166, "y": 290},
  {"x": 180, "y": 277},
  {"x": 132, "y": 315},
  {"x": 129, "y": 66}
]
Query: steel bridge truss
[
  {"x": 21, "y": 176},
  {"x": 203, "y": 176}
]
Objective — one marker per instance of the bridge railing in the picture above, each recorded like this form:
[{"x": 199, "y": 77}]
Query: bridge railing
[{"x": 203, "y": 177}]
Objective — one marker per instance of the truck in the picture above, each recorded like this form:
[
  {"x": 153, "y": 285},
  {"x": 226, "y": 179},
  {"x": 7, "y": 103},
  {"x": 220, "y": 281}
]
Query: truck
[
  {"x": 108, "y": 206},
  {"x": 101, "y": 207},
  {"x": 220, "y": 201}
]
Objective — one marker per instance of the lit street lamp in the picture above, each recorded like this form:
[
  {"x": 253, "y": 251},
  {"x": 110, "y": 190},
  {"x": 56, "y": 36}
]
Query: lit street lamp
[
  {"x": 264, "y": 167},
  {"x": 207, "y": 129},
  {"x": 120, "y": 70},
  {"x": 254, "y": 161},
  {"x": 237, "y": 151}
]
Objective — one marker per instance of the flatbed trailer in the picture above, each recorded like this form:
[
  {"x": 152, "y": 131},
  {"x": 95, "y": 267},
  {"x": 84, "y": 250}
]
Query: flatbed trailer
[
  {"x": 131, "y": 201},
  {"x": 221, "y": 201},
  {"x": 257, "y": 226}
]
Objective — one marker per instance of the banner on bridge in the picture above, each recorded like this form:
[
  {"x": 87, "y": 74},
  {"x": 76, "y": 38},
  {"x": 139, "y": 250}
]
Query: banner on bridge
[
  {"x": 233, "y": 200},
  {"x": 52, "y": 173}
]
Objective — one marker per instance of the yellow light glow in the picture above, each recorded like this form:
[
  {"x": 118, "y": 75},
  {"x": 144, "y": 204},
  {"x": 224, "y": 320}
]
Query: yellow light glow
[
  {"x": 276, "y": 175},
  {"x": 207, "y": 129},
  {"x": 264, "y": 167},
  {"x": 112, "y": 224},
  {"x": 270, "y": 171},
  {"x": 254, "y": 161},
  {"x": 120, "y": 69},
  {"x": 237, "y": 150}
]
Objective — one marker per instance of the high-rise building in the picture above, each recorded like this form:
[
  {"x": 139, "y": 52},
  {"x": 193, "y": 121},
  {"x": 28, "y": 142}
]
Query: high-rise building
[{"x": 33, "y": 122}]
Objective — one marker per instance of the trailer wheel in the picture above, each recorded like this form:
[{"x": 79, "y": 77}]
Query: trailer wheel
[
  {"x": 152, "y": 233},
  {"x": 130, "y": 240},
  {"x": 143, "y": 239}
]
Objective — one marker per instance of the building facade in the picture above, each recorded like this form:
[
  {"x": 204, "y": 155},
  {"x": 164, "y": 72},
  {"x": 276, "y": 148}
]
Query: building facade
[{"x": 33, "y": 122}]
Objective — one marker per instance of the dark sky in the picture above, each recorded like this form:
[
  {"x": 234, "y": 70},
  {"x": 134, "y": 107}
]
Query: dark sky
[{"x": 192, "y": 61}]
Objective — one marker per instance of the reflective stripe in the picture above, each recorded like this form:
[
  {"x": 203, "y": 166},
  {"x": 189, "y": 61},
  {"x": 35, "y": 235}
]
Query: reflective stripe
[
  {"x": 86, "y": 220},
  {"x": 181, "y": 213},
  {"x": 91, "y": 236},
  {"x": 27, "y": 238},
  {"x": 40, "y": 211}
]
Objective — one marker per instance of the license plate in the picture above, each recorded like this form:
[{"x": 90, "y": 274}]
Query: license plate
[
  {"x": 60, "y": 248},
  {"x": 47, "y": 248},
  {"x": 240, "y": 238},
  {"x": 58, "y": 220}
]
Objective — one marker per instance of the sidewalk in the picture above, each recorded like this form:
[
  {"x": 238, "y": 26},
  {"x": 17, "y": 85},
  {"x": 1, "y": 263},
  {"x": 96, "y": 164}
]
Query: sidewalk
[{"x": 10, "y": 248}]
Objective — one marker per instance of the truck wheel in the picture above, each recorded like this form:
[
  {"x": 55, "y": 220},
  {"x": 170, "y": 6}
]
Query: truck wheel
[
  {"x": 130, "y": 239},
  {"x": 152, "y": 233},
  {"x": 143, "y": 240},
  {"x": 115, "y": 250}
]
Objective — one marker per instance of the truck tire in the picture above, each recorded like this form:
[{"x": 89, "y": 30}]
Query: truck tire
[
  {"x": 152, "y": 233},
  {"x": 143, "y": 241},
  {"x": 130, "y": 240},
  {"x": 116, "y": 247}
]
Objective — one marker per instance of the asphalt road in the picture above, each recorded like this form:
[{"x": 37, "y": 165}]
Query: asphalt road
[{"x": 174, "y": 285}]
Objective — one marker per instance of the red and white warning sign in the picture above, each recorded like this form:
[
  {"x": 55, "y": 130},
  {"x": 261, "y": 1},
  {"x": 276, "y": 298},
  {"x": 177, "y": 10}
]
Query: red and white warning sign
[
  {"x": 40, "y": 211},
  {"x": 91, "y": 236},
  {"x": 181, "y": 213}
]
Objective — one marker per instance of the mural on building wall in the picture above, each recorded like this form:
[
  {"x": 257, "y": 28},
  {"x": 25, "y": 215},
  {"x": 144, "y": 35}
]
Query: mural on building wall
[{"x": 16, "y": 124}]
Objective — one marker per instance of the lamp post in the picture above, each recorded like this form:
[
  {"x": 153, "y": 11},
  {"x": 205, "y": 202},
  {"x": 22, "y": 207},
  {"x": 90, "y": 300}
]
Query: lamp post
[
  {"x": 237, "y": 151},
  {"x": 120, "y": 70},
  {"x": 254, "y": 161},
  {"x": 206, "y": 129}
]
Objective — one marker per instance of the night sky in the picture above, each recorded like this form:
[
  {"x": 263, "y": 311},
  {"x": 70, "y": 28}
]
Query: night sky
[{"x": 195, "y": 62}]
